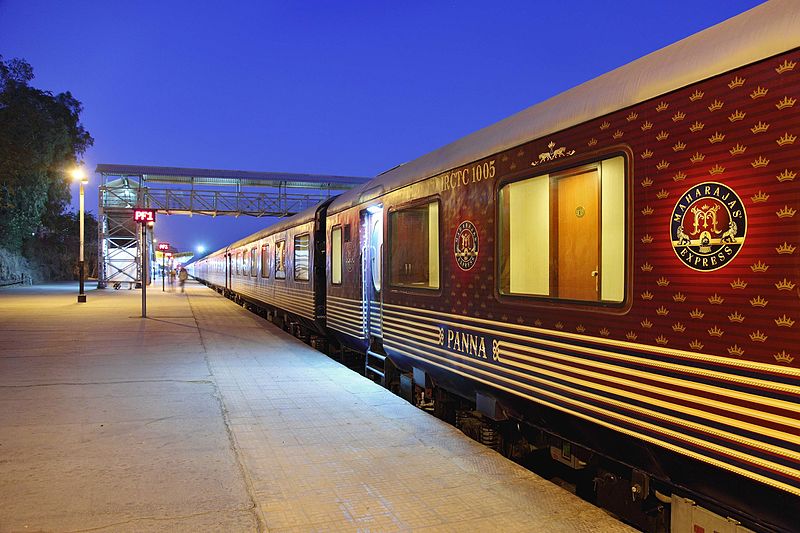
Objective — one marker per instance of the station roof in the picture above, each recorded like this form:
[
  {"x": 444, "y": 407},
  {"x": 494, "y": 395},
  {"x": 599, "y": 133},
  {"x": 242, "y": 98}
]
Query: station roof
[{"x": 205, "y": 176}]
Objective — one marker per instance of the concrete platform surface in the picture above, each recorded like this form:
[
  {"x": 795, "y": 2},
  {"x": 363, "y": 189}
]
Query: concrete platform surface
[{"x": 204, "y": 417}]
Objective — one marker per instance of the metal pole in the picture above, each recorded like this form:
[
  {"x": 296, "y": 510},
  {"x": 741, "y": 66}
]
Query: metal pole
[
  {"x": 163, "y": 273},
  {"x": 144, "y": 270},
  {"x": 81, "y": 294}
]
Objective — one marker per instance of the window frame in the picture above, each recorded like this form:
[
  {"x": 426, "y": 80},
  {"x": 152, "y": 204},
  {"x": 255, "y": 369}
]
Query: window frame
[
  {"x": 275, "y": 262},
  {"x": 265, "y": 260},
  {"x": 294, "y": 257},
  {"x": 564, "y": 169},
  {"x": 340, "y": 227},
  {"x": 388, "y": 281},
  {"x": 254, "y": 261}
]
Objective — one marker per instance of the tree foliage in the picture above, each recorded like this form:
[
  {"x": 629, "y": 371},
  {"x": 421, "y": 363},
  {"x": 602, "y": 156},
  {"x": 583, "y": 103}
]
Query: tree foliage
[
  {"x": 55, "y": 248},
  {"x": 41, "y": 137}
]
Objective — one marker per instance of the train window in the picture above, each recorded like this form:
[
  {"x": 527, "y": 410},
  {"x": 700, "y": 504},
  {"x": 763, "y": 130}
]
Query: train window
[
  {"x": 238, "y": 262},
  {"x": 336, "y": 255},
  {"x": 280, "y": 260},
  {"x": 245, "y": 267},
  {"x": 265, "y": 261},
  {"x": 562, "y": 235},
  {"x": 301, "y": 257},
  {"x": 254, "y": 262},
  {"x": 414, "y": 246}
]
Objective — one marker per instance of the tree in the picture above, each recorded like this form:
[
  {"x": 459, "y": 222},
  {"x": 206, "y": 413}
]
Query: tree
[
  {"x": 55, "y": 247},
  {"x": 41, "y": 137}
]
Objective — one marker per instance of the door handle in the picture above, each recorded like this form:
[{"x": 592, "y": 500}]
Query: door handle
[{"x": 596, "y": 276}]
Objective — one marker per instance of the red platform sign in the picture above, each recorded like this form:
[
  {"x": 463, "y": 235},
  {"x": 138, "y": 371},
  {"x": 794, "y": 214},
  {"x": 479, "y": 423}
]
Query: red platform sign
[
  {"x": 144, "y": 216},
  {"x": 163, "y": 246}
]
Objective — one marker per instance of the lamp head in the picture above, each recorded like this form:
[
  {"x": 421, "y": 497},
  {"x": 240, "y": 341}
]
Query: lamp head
[{"x": 78, "y": 174}]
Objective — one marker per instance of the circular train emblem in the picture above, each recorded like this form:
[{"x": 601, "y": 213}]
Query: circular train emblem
[
  {"x": 708, "y": 226},
  {"x": 465, "y": 246}
]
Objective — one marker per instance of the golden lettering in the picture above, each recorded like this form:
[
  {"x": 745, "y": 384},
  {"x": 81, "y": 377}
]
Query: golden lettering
[
  {"x": 466, "y": 343},
  {"x": 463, "y": 177}
]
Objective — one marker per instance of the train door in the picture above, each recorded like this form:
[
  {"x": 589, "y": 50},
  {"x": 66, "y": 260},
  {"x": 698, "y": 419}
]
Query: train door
[
  {"x": 373, "y": 271},
  {"x": 228, "y": 272},
  {"x": 578, "y": 240}
]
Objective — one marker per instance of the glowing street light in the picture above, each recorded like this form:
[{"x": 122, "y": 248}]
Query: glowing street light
[
  {"x": 79, "y": 175},
  {"x": 201, "y": 249}
]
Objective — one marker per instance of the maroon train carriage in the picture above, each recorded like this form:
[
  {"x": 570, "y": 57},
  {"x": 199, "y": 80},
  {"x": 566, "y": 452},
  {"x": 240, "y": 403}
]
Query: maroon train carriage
[
  {"x": 612, "y": 273},
  {"x": 616, "y": 266},
  {"x": 280, "y": 268}
]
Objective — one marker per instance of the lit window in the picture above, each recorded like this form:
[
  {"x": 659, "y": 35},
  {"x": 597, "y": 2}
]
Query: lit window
[
  {"x": 562, "y": 235},
  {"x": 301, "y": 257},
  {"x": 265, "y": 261},
  {"x": 280, "y": 260},
  {"x": 414, "y": 246},
  {"x": 254, "y": 262},
  {"x": 336, "y": 255}
]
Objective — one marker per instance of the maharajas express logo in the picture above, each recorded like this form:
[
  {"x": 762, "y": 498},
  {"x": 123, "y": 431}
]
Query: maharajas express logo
[
  {"x": 465, "y": 245},
  {"x": 708, "y": 226}
]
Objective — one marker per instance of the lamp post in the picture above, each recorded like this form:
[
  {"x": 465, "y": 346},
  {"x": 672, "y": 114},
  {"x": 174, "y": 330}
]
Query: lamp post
[{"x": 79, "y": 175}]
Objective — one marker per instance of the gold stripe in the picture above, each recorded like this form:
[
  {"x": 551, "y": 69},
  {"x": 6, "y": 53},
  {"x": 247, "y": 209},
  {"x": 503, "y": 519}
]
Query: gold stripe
[
  {"x": 685, "y": 410},
  {"x": 345, "y": 301},
  {"x": 350, "y": 310},
  {"x": 295, "y": 307},
  {"x": 344, "y": 328},
  {"x": 745, "y": 396},
  {"x": 617, "y": 403},
  {"x": 418, "y": 325},
  {"x": 408, "y": 331},
  {"x": 347, "y": 312},
  {"x": 752, "y": 475},
  {"x": 290, "y": 305},
  {"x": 344, "y": 317},
  {"x": 657, "y": 390},
  {"x": 294, "y": 291},
  {"x": 633, "y": 359},
  {"x": 751, "y": 365},
  {"x": 279, "y": 286}
]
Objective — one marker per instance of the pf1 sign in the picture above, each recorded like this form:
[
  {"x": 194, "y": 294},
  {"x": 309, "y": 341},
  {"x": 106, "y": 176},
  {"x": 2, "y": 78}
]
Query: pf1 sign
[{"x": 144, "y": 216}]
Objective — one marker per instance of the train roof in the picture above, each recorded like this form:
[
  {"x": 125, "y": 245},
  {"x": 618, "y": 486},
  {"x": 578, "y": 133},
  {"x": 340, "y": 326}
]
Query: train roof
[
  {"x": 294, "y": 220},
  {"x": 756, "y": 34}
]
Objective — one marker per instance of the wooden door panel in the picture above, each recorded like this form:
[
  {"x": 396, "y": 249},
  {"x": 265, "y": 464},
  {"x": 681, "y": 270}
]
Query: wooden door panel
[{"x": 578, "y": 236}]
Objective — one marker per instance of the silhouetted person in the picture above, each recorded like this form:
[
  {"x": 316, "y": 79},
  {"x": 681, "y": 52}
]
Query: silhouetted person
[{"x": 183, "y": 275}]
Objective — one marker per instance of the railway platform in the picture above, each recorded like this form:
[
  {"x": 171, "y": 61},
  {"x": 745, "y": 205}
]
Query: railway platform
[{"x": 205, "y": 417}]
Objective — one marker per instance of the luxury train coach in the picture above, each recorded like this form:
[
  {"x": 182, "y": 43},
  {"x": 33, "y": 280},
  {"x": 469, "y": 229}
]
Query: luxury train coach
[{"x": 614, "y": 274}]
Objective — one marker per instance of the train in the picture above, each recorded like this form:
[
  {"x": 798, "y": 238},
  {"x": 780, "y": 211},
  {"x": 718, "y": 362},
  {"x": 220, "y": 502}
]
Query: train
[{"x": 611, "y": 275}]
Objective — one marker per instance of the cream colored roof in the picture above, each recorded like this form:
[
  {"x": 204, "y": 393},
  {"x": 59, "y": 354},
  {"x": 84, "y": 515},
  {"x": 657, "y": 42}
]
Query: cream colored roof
[{"x": 764, "y": 31}]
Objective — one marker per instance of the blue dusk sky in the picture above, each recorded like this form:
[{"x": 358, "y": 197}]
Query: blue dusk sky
[{"x": 348, "y": 88}]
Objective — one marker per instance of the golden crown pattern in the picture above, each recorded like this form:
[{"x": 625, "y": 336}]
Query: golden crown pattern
[
  {"x": 740, "y": 130},
  {"x": 736, "y": 316},
  {"x": 737, "y": 149}
]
